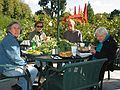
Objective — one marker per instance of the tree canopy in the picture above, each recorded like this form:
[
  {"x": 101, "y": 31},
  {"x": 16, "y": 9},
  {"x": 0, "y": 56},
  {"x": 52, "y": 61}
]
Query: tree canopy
[
  {"x": 51, "y": 6},
  {"x": 15, "y": 9}
]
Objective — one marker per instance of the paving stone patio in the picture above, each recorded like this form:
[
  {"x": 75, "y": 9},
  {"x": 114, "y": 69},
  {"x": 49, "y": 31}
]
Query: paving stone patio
[{"x": 114, "y": 82}]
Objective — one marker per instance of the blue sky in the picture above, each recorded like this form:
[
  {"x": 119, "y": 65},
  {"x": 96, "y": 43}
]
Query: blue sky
[{"x": 99, "y": 6}]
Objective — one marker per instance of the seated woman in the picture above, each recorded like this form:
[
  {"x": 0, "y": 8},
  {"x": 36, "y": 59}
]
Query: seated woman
[
  {"x": 106, "y": 47},
  {"x": 10, "y": 54},
  {"x": 37, "y": 35}
]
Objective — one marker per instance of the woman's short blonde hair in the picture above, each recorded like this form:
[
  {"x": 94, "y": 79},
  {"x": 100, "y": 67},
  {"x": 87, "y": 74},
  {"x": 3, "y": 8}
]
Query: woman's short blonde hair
[{"x": 101, "y": 31}]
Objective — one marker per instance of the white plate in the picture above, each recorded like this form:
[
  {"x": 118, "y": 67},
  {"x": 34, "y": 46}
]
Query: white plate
[
  {"x": 25, "y": 52},
  {"x": 84, "y": 54}
]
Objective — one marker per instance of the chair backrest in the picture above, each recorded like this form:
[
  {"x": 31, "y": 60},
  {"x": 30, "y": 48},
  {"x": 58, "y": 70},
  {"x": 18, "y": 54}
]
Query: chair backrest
[
  {"x": 118, "y": 53},
  {"x": 117, "y": 59},
  {"x": 82, "y": 75}
]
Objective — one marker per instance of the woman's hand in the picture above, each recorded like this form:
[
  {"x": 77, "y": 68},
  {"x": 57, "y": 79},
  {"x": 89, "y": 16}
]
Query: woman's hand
[
  {"x": 45, "y": 38},
  {"x": 93, "y": 51}
]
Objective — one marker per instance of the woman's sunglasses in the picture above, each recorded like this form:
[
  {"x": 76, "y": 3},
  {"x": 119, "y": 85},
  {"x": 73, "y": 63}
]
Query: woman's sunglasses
[{"x": 39, "y": 26}]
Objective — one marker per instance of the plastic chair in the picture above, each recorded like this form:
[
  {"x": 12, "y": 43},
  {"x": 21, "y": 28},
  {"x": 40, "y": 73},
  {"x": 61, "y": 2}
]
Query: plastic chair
[
  {"x": 76, "y": 76},
  {"x": 7, "y": 78}
]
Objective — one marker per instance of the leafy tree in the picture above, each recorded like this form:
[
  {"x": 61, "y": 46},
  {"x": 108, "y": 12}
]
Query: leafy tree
[
  {"x": 1, "y": 6},
  {"x": 90, "y": 11},
  {"x": 16, "y": 9},
  {"x": 115, "y": 13},
  {"x": 20, "y": 10},
  {"x": 27, "y": 27},
  {"x": 4, "y": 21},
  {"x": 111, "y": 25},
  {"x": 5, "y": 7},
  {"x": 51, "y": 6},
  {"x": 25, "y": 11},
  {"x": 39, "y": 12}
]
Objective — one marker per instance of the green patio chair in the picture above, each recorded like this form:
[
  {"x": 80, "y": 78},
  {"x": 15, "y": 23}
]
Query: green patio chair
[
  {"x": 76, "y": 76},
  {"x": 5, "y": 78}
]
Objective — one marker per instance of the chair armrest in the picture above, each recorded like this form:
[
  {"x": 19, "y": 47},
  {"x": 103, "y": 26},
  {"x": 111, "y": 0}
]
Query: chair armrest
[
  {"x": 26, "y": 74},
  {"x": 8, "y": 65},
  {"x": 12, "y": 67}
]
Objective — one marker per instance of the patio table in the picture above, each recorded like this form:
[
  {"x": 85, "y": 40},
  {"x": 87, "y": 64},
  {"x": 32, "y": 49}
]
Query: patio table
[
  {"x": 39, "y": 61},
  {"x": 48, "y": 59}
]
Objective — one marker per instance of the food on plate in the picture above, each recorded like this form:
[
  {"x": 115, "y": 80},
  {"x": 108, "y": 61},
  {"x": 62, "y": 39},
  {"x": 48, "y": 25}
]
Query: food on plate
[
  {"x": 65, "y": 54},
  {"x": 33, "y": 52},
  {"x": 85, "y": 49}
]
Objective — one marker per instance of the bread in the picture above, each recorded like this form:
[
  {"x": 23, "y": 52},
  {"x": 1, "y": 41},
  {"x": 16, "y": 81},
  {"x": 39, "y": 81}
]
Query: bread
[{"x": 65, "y": 54}]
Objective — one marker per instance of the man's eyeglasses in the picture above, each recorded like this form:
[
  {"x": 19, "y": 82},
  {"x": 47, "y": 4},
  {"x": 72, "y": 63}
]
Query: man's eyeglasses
[{"x": 39, "y": 26}]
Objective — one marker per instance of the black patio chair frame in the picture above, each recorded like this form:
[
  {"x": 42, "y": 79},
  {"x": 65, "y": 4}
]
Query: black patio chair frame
[
  {"x": 116, "y": 62},
  {"x": 26, "y": 75}
]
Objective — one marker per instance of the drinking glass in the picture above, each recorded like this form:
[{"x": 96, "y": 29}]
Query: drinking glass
[
  {"x": 82, "y": 44},
  {"x": 74, "y": 50},
  {"x": 55, "y": 51}
]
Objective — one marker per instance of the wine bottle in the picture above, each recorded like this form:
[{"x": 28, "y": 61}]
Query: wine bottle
[{"x": 33, "y": 45}]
